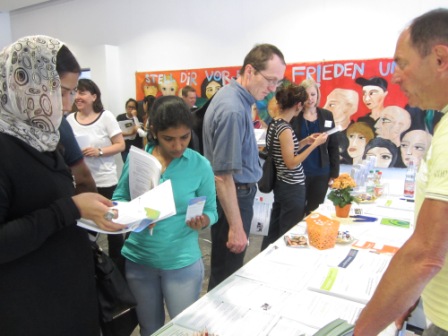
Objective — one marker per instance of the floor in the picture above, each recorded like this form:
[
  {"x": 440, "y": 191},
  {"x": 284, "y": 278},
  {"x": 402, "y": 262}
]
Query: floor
[{"x": 205, "y": 244}]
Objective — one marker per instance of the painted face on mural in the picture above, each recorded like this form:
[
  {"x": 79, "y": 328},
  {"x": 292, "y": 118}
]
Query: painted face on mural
[
  {"x": 373, "y": 97},
  {"x": 393, "y": 121},
  {"x": 414, "y": 146},
  {"x": 342, "y": 103},
  {"x": 168, "y": 87},
  {"x": 212, "y": 88},
  {"x": 150, "y": 90},
  {"x": 383, "y": 156},
  {"x": 273, "y": 108},
  {"x": 357, "y": 145}
]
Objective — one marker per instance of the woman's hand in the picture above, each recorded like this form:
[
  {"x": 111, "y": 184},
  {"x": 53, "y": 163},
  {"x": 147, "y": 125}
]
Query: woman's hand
[
  {"x": 198, "y": 222},
  {"x": 91, "y": 152},
  {"x": 309, "y": 140},
  {"x": 317, "y": 139},
  {"x": 93, "y": 206}
]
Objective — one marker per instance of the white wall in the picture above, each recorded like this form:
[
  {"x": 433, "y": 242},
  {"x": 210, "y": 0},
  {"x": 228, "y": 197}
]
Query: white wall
[
  {"x": 117, "y": 38},
  {"x": 5, "y": 29}
]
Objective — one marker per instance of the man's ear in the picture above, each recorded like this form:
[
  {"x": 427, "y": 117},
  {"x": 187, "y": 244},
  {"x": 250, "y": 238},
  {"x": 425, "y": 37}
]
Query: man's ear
[
  {"x": 249, "y": 70},
  {"x": 441, "y": 54}
]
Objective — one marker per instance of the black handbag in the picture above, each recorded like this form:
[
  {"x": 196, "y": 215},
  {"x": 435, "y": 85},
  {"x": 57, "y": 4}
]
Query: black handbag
[
  {"x": 114, "y": 296},
  {"x": 267, "y": 182}
]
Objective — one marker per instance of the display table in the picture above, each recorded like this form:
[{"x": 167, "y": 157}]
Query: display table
[{"x": 296, "y": 291}]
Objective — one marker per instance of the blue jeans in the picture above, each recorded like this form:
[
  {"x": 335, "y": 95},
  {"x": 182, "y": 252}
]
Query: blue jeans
[
  {"x": 223, "y": 262},
  {"x": 152, "y": 286},
  {"x": 434, "y": 330},
  {"x": 287, "y": 210}
]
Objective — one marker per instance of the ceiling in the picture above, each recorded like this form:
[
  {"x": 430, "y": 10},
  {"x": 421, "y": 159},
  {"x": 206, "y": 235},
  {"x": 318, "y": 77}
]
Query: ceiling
[{"x": 10, "y": 5}]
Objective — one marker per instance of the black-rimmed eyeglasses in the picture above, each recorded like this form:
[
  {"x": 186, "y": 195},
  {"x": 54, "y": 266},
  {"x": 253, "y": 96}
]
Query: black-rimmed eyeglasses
[{"x": 271, "y": 81}]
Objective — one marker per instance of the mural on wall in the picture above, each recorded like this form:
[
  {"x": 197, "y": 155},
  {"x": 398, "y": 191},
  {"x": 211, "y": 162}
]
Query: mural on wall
[{"x": 371, "y": 111}]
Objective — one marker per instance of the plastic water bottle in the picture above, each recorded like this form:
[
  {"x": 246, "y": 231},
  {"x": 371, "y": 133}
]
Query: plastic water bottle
[
  {"x": 370, "y": 184},
  {"x": 409, "y": 182},
  {"x": 378, "y": 175}
]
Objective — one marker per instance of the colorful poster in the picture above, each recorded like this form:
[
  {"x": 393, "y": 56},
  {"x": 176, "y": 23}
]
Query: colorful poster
[{"x": 371, "y": 111}]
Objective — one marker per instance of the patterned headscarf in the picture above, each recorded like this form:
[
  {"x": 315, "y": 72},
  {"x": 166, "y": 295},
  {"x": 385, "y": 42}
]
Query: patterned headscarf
[{"x": 30, "y": 92}]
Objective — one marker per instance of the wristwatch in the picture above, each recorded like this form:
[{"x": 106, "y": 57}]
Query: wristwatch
[{"x": 100, "y": 152}]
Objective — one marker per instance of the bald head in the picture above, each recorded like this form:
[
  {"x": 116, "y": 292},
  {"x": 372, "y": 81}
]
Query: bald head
[
  {"x": 393, "y": 121},
  {"x": 343, "y": 103}
]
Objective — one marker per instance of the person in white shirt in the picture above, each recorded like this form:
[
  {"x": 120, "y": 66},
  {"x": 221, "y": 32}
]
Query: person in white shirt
[{"x": 105, "y": 140}]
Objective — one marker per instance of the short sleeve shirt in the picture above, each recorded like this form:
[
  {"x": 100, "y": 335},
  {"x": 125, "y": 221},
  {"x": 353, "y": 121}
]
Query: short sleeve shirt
[
  {"x": 432, "y": 182},
  {"x": 228, "y": 134},
  {"x": 100, "y": 132}
]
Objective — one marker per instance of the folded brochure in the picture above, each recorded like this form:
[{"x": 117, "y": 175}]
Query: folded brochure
[{"x": 154, "y": 205}]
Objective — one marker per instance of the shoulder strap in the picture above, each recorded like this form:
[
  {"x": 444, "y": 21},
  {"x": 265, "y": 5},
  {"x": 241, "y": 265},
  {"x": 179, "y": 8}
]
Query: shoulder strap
[
  {"x": 198, "y": 122},
  {"x": 271, "y": 143}
]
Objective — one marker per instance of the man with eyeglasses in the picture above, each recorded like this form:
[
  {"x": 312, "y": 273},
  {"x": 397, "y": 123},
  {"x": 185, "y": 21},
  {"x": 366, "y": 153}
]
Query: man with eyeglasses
[{"x": 229, "y": 144}]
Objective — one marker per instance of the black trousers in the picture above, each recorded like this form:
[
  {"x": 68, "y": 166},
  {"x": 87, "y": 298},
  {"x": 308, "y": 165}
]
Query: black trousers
[
  {"x": 115, "y": 241},
  {"x": 125, "y": 324},
  {"x": 287, "y": 210},
  {"x": 316, "y": 190}
]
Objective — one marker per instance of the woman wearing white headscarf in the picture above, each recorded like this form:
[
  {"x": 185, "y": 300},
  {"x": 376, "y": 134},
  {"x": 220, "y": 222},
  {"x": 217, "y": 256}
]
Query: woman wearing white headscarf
[{"x": 47, "y": 284}]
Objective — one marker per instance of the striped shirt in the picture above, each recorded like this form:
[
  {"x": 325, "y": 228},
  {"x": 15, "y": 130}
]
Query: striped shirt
[{"x": 290, "y": 176}]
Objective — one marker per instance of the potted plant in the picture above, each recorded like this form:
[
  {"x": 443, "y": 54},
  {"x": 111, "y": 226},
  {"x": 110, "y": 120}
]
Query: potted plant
[{"x": 340, "y": 194}]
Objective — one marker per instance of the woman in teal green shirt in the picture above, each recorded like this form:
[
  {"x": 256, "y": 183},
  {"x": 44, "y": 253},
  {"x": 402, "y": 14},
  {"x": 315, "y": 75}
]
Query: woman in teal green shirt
[{"x": 165, "y": 264}]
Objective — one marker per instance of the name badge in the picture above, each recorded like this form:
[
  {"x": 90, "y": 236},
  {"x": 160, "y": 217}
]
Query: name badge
[{"x": 328, "y": 123}]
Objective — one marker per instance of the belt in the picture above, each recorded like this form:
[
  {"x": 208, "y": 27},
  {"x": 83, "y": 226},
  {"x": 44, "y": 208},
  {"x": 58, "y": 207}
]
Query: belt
[{"x": 244, "y": 186}]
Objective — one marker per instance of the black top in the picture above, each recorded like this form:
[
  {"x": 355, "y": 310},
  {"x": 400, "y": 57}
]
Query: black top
[
  {"x": 329, "y": 151},
  {"x": 137, "y": 141},
  {"x": 71, "y": 152},
  {"x": 47, "y": 284}
]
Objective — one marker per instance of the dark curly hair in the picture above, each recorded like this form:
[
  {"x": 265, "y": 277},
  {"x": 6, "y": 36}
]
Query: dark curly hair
[{"x": 290, "y": 95}]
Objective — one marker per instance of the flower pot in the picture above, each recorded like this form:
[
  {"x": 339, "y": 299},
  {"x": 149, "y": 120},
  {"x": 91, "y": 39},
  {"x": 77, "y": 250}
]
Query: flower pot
[{"x": 344, "y": 211}]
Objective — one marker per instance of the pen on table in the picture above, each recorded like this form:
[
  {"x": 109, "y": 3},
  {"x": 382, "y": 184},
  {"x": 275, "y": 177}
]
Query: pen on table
[
  {"x": 407, "y": 199},
  {"x": 150, "y": 231}
]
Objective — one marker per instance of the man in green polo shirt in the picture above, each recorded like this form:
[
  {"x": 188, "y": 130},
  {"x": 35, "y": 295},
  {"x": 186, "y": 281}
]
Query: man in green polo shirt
[{"x": 420, "y": 267}]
